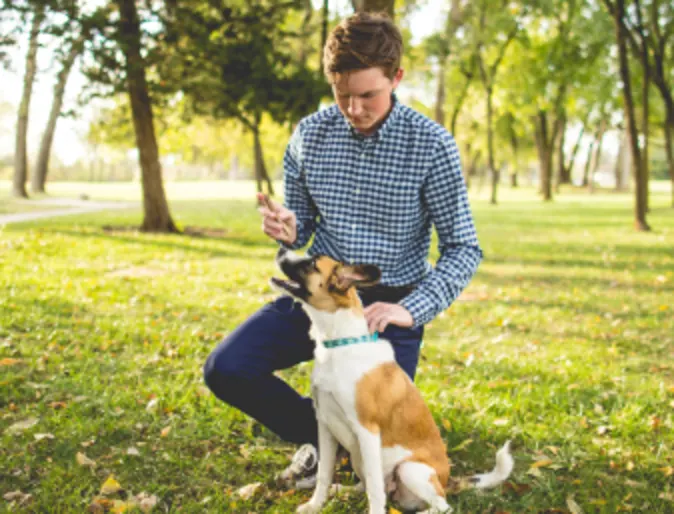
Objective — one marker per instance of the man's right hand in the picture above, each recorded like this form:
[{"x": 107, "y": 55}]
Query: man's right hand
[{"x": 278, "y": 222}]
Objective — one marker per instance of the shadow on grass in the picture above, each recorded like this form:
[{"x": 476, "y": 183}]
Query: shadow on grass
[{"x": 175, "y": 244}]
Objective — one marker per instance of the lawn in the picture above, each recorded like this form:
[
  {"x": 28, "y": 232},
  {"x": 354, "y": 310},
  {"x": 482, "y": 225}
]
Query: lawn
[{"x": 564, "y": 342}]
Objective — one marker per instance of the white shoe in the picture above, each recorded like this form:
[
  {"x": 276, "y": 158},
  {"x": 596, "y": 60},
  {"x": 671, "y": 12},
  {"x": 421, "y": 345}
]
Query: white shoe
[{"x": 301, "y": 473}]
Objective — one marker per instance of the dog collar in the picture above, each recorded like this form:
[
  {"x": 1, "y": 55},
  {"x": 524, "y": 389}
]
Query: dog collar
[{"x": 346, "y": 341}]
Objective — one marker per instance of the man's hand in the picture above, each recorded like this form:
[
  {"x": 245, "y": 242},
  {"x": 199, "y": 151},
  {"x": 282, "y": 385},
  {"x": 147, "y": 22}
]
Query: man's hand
[
  {"x": 380, "y": 314},
  {"x": 278, "y": 222}
]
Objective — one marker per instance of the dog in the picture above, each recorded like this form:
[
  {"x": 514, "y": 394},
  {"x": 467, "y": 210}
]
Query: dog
[{"x": 364, "y": 400}]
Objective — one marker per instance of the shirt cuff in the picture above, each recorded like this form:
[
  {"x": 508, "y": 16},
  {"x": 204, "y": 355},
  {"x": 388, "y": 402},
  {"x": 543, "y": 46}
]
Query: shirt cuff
[{"x": 420, "y": 307}]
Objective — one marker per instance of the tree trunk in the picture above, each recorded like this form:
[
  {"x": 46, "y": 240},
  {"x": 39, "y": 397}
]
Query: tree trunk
[
  {"x": 324, "y": 29},
  {"x": 588, "y": 163},
  {"x": 545, "y": 146},
  {"x": 596, "y": 159},
  {"x": 568, "y": 166},
  {"x": 40, "y": 175},
  {"x": 260, "y": 167},
  {"x": 157, "y": 217},
  {"x": 514, "y": 143},
  {"x": 637, "y": 162},
  {"x": 458, "y": 106},
  {"x": 669, "y": 123},
  {"x": 495, "y": 173},
  {"x": 385, "y": 6},
  {"x": 440, "y": 93},
  {"x": 20, "y": 151},
  {"x": 644, "y": 125},
  {"x": 560, "y": 152}
]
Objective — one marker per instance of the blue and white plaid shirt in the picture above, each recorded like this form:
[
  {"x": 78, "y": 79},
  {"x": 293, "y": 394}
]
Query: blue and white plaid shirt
[{"x": 373, "y": 200}]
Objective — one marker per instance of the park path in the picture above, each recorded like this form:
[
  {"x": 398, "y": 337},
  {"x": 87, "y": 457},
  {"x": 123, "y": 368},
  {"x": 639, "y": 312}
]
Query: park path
[{"x": 68, "y": 207}]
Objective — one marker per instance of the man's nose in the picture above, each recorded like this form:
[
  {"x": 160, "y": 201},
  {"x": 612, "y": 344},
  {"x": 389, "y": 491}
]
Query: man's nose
[{"x": 355, "y": 106}]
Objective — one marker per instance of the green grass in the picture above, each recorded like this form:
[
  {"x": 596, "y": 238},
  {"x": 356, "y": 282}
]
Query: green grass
[{"x": 564, "y": 341}]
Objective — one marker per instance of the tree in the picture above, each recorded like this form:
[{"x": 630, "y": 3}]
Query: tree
[
  {"x": 39, "y": 176},
  {"x": 237, "y": 61},
  {"x": 617, "y": 10},
  {"x": 156, "y": 217},
  {"x": 20, "y": 151}
]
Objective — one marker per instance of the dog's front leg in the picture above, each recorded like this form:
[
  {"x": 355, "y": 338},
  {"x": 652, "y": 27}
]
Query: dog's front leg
[
  {"x": 327, "y": 457},
  {"x": 373, "y": 473}
]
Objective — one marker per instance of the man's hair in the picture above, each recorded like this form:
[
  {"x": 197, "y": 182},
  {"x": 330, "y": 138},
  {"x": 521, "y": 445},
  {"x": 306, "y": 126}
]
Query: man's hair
[{"x": 364, "y": 40}]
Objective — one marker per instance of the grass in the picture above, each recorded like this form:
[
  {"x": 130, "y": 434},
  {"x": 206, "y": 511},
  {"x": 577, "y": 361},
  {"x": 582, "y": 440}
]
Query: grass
[{"x": 564, "y": 341}]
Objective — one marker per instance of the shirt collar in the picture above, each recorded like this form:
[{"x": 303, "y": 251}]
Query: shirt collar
[{"x": 384, "y": 128}]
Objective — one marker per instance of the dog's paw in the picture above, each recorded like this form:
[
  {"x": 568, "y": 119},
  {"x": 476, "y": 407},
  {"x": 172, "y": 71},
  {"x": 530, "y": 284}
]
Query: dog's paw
[{"x": 308, "y": 508}]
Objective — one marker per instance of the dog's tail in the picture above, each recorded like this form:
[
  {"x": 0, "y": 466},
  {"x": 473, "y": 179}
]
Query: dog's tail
[{"x": 504, "y": 466}]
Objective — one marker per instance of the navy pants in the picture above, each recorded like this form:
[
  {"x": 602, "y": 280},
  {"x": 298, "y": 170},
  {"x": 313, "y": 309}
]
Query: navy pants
[{"x": 240, "y": 371}]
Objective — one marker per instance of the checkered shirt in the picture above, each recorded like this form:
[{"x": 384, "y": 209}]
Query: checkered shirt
[{"x": 374, "y": 200}]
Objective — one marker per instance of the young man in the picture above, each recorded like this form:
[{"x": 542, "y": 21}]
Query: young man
[{"x": 368, "y": 178}]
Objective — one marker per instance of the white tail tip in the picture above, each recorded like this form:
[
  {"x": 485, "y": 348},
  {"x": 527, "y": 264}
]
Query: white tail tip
[{"x": 498, "y": 475}]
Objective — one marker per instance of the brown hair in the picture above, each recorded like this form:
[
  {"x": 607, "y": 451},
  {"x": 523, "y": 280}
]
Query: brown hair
[{"x": 364, "y": 40}]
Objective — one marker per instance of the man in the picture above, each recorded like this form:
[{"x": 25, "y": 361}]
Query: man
[{"x": 368, "y": 178}]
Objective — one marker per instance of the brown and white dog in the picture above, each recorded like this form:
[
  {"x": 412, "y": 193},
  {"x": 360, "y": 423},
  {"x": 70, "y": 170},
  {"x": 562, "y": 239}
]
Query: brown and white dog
[{"x": 364, "y": 400}]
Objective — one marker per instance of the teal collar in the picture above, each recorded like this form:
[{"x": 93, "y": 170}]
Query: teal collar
[{"x": 346, "y": 341}]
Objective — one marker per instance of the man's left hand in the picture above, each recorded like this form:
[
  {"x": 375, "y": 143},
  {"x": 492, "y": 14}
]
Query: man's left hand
[{"x": 380, "y": 314}]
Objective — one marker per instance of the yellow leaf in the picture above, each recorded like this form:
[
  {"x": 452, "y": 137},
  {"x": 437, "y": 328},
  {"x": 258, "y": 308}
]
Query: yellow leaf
[
  {"x": 668, "y": 471},
  {"x": 391, "y": 510},
  {"x": 83, "y": 460},
  {"x": 462, "y": 446},
  {"x": 574, "y": 508},
  {"x": 446, "y": 424},
  {"x": 541, "y": 463},
  {"x": 7, "y": 361},
  {"x": 110, "y": 486}
]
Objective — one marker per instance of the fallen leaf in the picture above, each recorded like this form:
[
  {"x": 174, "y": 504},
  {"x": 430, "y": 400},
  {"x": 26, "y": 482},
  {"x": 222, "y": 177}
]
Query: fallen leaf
[
  {"x": 574, "y": 508},
  {"x": 247, "y": 491},
  {"x": 462, "y": 446},
  {"x": 146, "y": 501},
  {"x": 110, "y": 486},
  {"x": 165, "y": 431},
  {"x": 7, "y": 361},
  {"x": 83, "y": 460},
  {"x": 20, "y": 426},
  {"x": 668, "y": 471},
  {"x": 58, "y": 405},
  {"x": 132, "y": 451},
  {"x": 666, "y": 496},
  {"x": 40, "y": 437},
  {"x": 501, "y": 422},
  {"x": 518, "y": 489},
  {"x": 542, "y": 463},
  {"x": 17, "y": 495}
]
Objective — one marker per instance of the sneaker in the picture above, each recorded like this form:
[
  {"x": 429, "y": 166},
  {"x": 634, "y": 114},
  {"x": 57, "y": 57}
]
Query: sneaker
[{"x": 301, "y": 473}]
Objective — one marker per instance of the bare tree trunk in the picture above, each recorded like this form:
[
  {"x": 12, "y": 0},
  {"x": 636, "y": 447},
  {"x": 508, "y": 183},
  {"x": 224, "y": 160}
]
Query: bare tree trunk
[
  {"x": 324, "y": 28},
  {"x": 260, "y": 167},
  {"x": 20, "y": 151},
  {"x": 545, "y": 146},
  {"x": 640, "y": 223},
  {"x": 568, "y": 166},
  {"x": 495, "y": 173},
  {"x": 440, "y": 93},
  {"x": 596, "y": 159},
  {"x": 669, "y": 123},
  {"x": 560, "y": 152},
  {"x": 157, "y": 217},
  {"x": 40, "y": 175},
  {"x": 644, "y": 126}
]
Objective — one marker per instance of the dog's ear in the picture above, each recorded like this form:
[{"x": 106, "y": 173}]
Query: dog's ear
[{"x": 360, "y": 275}]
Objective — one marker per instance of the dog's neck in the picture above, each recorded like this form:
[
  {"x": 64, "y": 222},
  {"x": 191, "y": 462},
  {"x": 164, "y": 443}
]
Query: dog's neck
[{"x": 335, "y": 325}]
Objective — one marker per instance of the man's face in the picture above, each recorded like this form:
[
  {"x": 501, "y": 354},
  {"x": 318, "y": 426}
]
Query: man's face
[{"x": 364, "y": 97}]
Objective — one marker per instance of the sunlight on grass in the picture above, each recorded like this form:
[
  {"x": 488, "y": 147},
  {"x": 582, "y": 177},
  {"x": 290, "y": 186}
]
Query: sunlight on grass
[{"x": 564, "y": 341}]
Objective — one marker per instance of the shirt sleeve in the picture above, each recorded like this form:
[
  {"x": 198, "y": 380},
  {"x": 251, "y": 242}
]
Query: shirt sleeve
[
  {"x": 297, "y": 197},
  {"x": 446, "y": 198}
]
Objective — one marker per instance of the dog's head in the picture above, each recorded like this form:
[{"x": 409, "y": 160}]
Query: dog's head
[{"x": 321, "y": 282}]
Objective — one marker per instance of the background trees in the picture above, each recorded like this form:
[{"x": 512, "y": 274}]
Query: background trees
[{"x": 540, "y": 90}]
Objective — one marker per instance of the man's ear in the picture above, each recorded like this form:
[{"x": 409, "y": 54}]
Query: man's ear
[{"x": 360, "y": 275}]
